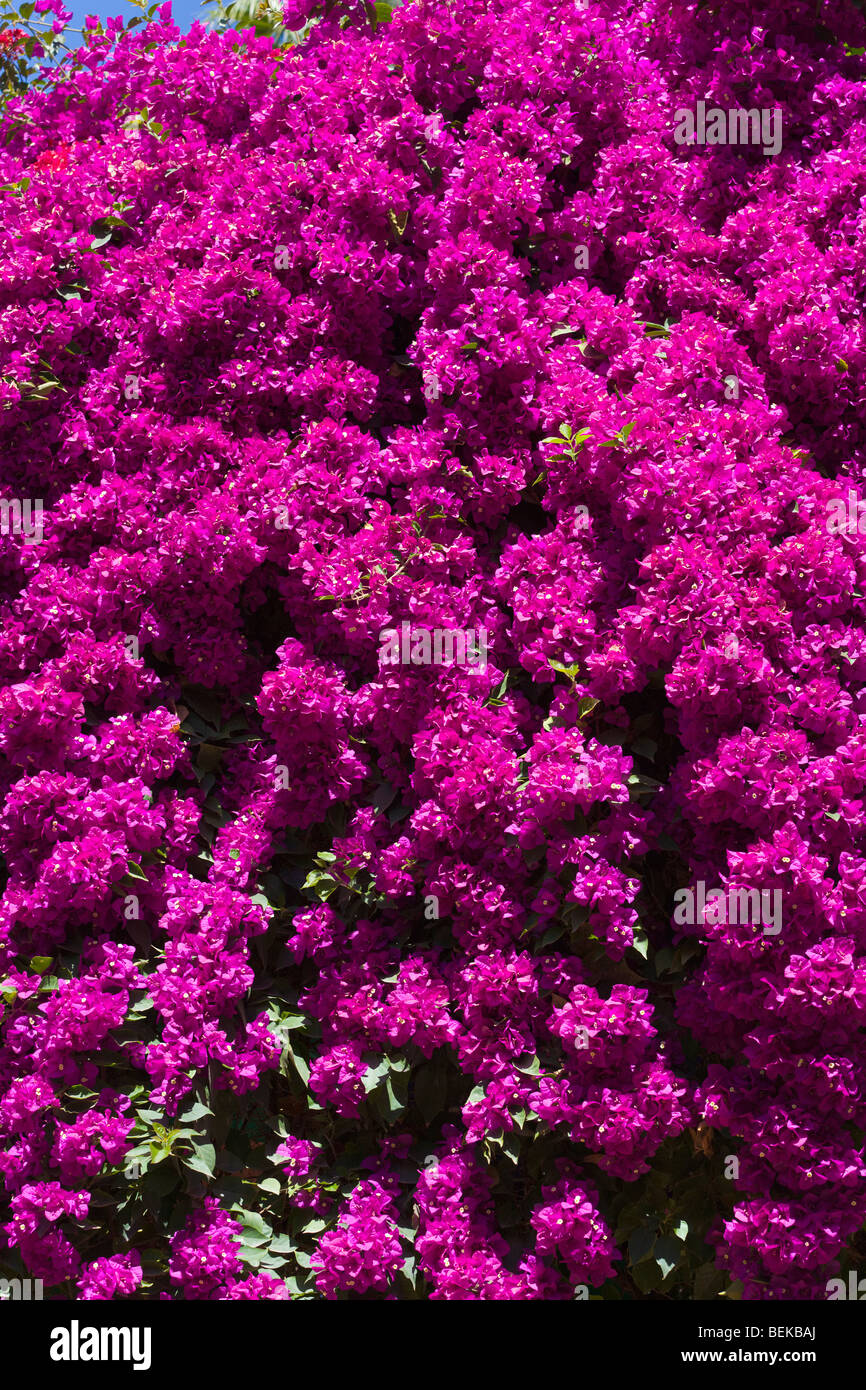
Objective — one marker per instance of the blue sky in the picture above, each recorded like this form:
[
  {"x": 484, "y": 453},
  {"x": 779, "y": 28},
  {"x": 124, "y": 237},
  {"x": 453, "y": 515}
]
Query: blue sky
[{"x": 184, "y": 11}]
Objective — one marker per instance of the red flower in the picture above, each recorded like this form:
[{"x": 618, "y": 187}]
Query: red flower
[
  {"x": 11, "y": 40},
  {"x": 55, "y": 159}
]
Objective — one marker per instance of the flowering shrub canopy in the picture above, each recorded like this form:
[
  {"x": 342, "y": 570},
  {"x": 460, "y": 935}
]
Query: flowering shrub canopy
[{"x": 327, "y": 977}]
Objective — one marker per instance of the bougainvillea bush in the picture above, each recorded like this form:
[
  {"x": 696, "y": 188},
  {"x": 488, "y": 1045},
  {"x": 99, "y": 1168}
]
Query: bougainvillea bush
[{"x": 325, "y": 976}]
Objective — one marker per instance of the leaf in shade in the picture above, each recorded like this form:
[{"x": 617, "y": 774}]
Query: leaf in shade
[{"x": 431, "y": 1090}]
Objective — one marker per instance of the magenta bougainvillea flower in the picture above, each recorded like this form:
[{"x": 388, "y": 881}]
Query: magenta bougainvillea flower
[{"x": 330, "y": 977}]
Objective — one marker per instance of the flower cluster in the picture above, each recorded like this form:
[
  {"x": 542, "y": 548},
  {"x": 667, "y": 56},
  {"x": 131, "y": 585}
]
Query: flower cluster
[{"x": 329, "y": 978}]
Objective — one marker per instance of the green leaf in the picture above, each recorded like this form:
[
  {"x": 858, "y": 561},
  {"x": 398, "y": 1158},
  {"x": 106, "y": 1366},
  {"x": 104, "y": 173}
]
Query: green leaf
[
  {"x": 431, "y": 1090},
  {"x": 110, "y": 220},
  {"x": 502, "y": 687},
  {"x": 657, "y": 330},
  {"x": 203, "y": 1159},
  {"x": 511, "y": 1147},
  {"x": 289, "y": 1022},
  {"x": 139, "y": 1154},
  {"x": 252, "y": 1221},
  {"x": 663, "y": 960},
  {"x": 315, "y": 1227},
  {"x": 529, "y": 1068},
  {"x": 647, "y": 1275},
  {"x": 709, "y": 1282},
  {"x": 160, "y": 1181},
  {"x": 251, "y": 1255},
  {"x": 196, "y": 1111},
  {"x": 569, "y": 671},
  {"x": 667, "y": 1254},
  {"x": 323, "y": 884},
  {"x": 733, "y": 1291},
  {"x": 301, "y": 1066},
  {"x": 373, "y": 1075},
  {"x": 253, "y": 1240},
  {"x": 553, "y": 933},
  {"x": 389, "y": 1100},
  {"x": 385, "y": 795},
  {"x": 40, "y": 964},
  {"x": 640, "y": 1245}
]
